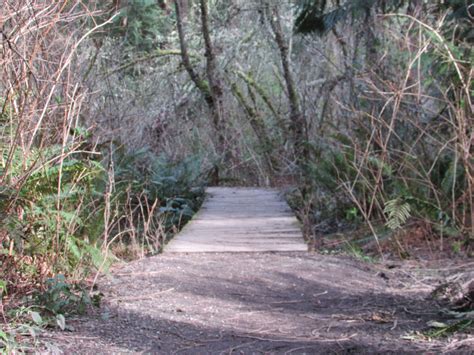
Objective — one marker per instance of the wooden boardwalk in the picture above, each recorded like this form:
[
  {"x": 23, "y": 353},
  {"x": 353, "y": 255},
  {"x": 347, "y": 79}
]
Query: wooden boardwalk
[{"x": 240, "y": 220}]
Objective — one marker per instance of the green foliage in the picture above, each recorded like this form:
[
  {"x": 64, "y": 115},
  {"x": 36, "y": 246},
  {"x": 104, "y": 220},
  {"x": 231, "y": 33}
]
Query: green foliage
[
  {"x": 315, "y": 16},
  {"x": 353, "y": 214},
  {"x": 449, "y": 175},
  {"x": 8, "y": 344},
  {"x": 71, "y": 220},
  {"x": 55, "y": 216},
  {"x": 444, "y": 330},
  {"x": 177, "y": 178},
  {"x": 320, "y": 17},
  {"x": 334, "y": 163},
  {"x": 404, "y": 192},
  {"x": 355, "y": 251},
  {"x": 49, "y": 217},
  {"x": 85, "y": 253},
  {"x": 397, "y": 213},
  {"x": 20, "y": 334},
  {"x": 52, "y": 306},
  {"x": 419, "y": 172},
  {"x": 60, "y": 298},
  {"x": 177, "y": 186},
  {"x": 141, "y": 25},
  {"x": 3, "y": 288}
]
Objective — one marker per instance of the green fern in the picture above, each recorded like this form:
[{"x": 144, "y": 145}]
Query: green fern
[{"x": 397, "y": 212}]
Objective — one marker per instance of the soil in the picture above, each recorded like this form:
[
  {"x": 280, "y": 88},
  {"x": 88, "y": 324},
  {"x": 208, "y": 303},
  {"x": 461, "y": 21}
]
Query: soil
[{"x": 246, "y": 303}]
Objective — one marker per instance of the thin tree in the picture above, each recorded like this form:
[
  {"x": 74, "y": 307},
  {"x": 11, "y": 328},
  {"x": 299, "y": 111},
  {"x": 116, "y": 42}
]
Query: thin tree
[
  {"x": 298, "y": 126},
  {"x": 211, "y": 87}
]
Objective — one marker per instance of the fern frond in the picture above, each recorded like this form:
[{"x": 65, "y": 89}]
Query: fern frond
[{"x": 397, "y": 213}]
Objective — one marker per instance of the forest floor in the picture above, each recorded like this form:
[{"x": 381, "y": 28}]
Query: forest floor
[{"x": 285, "y": 302}]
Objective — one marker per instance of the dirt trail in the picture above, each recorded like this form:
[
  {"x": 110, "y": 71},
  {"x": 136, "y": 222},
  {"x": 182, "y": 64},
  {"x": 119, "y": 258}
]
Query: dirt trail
[
  {"x": 259, "y": 302},
  {"x": 256, "y": 303}
]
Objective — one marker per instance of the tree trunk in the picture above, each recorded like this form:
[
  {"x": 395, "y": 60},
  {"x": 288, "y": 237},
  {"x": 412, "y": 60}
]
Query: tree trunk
[
  {"x": 215, "y": 83},
  {"x": 197, "y": 80},
  {"x": 258, "y": 126},
  {"x": 210, "y": 89},
  {"x": 298, "y": 127}
]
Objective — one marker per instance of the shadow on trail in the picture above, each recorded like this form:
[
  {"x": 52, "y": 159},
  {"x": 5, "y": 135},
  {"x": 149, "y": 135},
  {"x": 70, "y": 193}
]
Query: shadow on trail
[
  {"x": 147, "y": 334},
  {"x": 257, "y": 304}
]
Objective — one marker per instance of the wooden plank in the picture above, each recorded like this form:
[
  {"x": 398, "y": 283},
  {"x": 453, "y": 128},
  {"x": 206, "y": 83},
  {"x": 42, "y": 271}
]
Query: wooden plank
[{"x": 240, "y": 220}]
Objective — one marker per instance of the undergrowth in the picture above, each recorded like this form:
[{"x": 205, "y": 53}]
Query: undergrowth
[
  {"x": 401, "y": 160},
  {"x": 71, "y": 202},
  {"x": 126, "y": 206}
]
